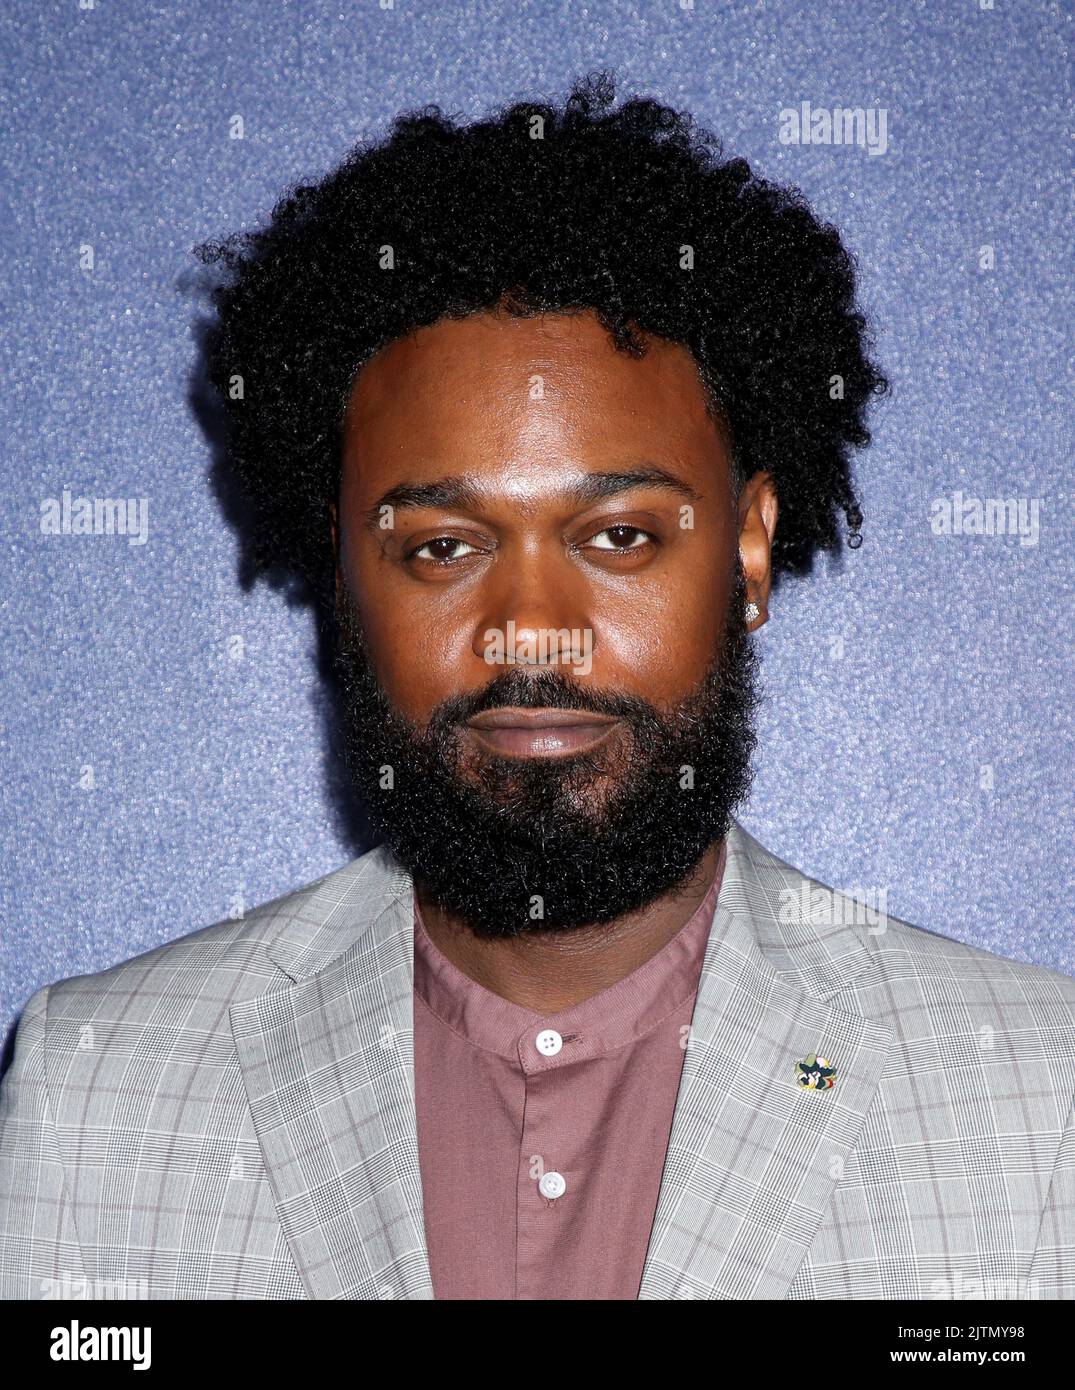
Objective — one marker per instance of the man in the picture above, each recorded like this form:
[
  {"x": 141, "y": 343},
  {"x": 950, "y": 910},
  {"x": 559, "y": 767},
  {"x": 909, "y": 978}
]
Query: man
[{"x": 540, "y": 409}]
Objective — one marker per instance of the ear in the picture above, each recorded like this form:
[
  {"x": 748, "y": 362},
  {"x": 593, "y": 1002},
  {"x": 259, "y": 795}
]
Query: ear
[{"x": 757, "y": 526}]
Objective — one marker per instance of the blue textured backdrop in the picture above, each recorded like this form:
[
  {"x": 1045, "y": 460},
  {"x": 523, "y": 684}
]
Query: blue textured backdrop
[{"x": 917, "y": 737}]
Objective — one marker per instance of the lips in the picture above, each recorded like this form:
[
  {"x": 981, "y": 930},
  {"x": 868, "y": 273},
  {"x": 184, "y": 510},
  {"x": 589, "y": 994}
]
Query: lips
[{"x": 539, "y": 733}]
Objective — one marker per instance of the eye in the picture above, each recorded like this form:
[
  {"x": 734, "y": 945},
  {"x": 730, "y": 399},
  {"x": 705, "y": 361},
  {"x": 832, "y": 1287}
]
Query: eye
[
  {"x": 442, "y": 548},
  {"x": 622, "y": 538}
]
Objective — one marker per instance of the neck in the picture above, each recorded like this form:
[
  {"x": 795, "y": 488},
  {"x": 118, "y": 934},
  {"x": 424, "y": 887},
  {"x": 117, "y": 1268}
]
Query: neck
[{"x": 550, "y": 971}]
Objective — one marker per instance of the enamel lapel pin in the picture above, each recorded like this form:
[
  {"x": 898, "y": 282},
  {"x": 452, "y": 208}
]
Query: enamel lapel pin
[{"x": 816, "y": 1073}]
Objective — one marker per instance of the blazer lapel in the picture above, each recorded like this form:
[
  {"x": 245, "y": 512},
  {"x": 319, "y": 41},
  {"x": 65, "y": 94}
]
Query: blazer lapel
[
  {"x": 753, "y": 1157},
  {"x": 329, "y": 1071}
]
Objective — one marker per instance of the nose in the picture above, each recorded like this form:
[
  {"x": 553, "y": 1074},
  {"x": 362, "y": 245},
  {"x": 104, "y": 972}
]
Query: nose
[{"x": 533, "y": 616}]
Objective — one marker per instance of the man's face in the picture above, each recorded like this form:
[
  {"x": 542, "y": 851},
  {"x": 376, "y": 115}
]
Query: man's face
[{"x": 540, "y": 590}]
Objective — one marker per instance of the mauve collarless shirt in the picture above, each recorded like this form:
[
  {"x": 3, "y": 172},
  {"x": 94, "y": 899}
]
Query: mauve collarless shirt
[{"x": 542, "y": 1138}]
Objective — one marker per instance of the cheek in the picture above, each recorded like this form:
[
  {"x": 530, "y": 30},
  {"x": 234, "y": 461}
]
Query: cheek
[
  {"x": 418, "y": 641},
  {"x": 659, "y": 638},
  {"x": 659, "y": 646}
]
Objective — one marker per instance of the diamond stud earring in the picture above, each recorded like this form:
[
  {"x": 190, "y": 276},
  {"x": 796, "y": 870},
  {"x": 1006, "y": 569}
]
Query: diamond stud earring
[{"x": 751, "y": 612}]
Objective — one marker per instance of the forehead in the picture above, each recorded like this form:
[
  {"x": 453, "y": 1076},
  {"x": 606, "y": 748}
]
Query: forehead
[{"x": 553, "y": 388}]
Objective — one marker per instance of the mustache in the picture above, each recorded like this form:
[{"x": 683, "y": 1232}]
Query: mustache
[{"x": 540, "y": 690}]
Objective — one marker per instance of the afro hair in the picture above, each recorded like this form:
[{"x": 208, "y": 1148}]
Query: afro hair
[{"x": 632, "y": 213}]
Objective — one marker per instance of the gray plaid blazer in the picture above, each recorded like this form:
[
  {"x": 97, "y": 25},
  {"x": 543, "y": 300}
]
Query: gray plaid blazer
[{"x": 231, "y": 1115}]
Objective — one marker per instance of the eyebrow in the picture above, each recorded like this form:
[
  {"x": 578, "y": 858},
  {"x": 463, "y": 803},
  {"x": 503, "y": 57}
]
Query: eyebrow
[{"x": 454, "y": 491}]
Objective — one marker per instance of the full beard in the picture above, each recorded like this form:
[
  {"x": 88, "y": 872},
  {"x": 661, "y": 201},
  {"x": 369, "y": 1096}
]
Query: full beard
[{"x": 513, "y": 845}]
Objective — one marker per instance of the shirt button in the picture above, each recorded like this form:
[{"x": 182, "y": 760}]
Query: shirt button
[
  {"x": 548, "y": 1042},
  {"x": 552, "y": 1185}
]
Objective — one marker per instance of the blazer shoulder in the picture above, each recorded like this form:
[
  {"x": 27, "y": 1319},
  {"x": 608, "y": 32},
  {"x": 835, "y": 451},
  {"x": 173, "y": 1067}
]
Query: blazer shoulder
[
  {"x": 961, "y": 957},
  {"x": 214, "y": 966},
  {"x": 895, "y": 950}
]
